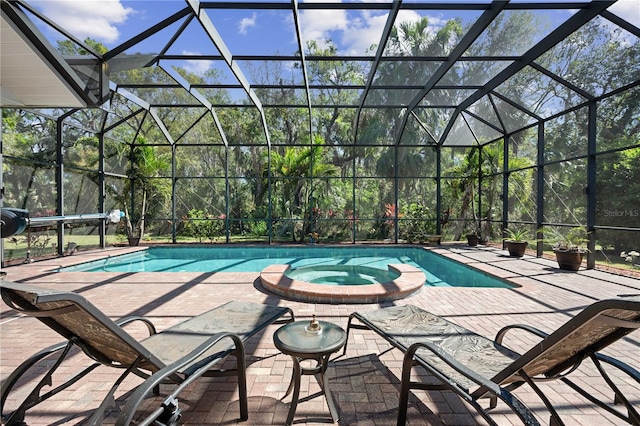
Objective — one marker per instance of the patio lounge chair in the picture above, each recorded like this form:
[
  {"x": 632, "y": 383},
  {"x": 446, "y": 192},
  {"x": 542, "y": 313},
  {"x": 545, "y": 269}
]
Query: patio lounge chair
[
  {"x": 179, "y": 354},
  {"x": 475, "y": 367}
]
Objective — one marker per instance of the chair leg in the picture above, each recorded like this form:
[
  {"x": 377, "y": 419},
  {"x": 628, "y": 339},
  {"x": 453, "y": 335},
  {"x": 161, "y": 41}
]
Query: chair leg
[
  {"x": 616, "y": 400},
  {"x": 35, "y": 397},
  {"x": 360, "y": 325},
  {"x": 242, "y": 382},
  {"x": 555, "y": 417},
  {"x": 633, "y": 416},
  {"x": 109, "y": 401},
  {"x": 405, "y": 386},
  {"x": 346, "y": 342},
  {"x": 493, "y": 402},
  {"x": 554, "y": 421}
]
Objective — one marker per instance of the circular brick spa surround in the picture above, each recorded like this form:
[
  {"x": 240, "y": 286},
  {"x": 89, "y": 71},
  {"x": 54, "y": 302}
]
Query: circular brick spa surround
[{"x": 410, "y": 281}]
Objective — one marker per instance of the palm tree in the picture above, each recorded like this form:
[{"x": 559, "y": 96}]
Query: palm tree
[
  {"x": 410, "y": 39},
  {"x": 299, "y": 169},
  {"x": 144, "y": 186},
  {"x": 463, "y": 189}
]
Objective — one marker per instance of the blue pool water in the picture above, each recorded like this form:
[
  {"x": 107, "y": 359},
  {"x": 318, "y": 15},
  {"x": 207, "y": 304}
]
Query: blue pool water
[
  {"x": 341, "y": 274},
  {"x": 439, "y": 270}
]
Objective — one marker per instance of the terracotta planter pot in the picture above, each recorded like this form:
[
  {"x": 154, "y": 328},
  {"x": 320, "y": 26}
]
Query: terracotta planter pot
[
  {"x": 569, "y": 260},
  {"x": 473, "y": 240},
  {"x": 516, "y": 248}
]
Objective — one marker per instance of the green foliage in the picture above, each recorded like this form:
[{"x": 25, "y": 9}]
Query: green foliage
[
  {"x": 201, "y": 225},
  {"x": 463, "y": 189},
  {"x": 301, "y": 175},
  {"x": 617, "y": 187},
  {"x": 68, "y": 47},
  {"x": 259, "y": 228},
  {"x": 417, "y": 223},
  {"x": 517, "y": 234},
  {"x": 573, "y": 240},
  {"x": 350, "y": 168},
  {"x": 147, "y": 185}
]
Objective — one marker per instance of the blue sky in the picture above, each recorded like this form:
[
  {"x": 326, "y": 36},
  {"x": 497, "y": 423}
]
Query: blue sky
[{"x": 245, "y": 32}]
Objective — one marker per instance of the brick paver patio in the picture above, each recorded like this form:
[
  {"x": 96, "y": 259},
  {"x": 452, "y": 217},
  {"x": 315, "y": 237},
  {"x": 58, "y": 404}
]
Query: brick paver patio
[{"x": 365, "y": 381}]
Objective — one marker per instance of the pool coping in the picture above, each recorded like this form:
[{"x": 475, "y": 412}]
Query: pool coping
[{"x": 410, "y": 281}]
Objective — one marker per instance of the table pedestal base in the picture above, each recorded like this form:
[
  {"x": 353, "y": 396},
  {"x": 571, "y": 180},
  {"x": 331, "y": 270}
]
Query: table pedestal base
[
  {"x": 303, "y": 343},
  {"x": 319, "y": 371}
]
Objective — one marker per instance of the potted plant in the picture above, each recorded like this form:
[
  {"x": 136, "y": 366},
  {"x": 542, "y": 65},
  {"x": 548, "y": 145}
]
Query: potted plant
[
  {"x": 473, "y": 238},
  {"x": 630, "y": 257},
  {"x": 516, "y": 241},
  {"x": 570, "y": 248},
  {"x": 133, "y": 233},
  {"x": 473, "y": 234}
]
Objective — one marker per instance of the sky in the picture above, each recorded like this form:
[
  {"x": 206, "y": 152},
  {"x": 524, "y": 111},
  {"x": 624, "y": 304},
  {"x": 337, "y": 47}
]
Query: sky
[
  {"x": 245, "y": 32},
  {"x": 248, "y": 31}
]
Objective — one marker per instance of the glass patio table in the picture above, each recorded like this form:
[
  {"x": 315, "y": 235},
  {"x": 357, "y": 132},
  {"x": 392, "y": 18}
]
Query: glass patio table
[{"x": 296, "y": 340}]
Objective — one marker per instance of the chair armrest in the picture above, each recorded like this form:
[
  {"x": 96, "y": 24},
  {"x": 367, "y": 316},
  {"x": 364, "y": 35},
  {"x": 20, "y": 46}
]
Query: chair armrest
[
  {"x": 503, "y": 331},
  {"x": 625, "y": 368},
  {"x": 126, "y": 320},
  {"x": 128, "y": 410}
]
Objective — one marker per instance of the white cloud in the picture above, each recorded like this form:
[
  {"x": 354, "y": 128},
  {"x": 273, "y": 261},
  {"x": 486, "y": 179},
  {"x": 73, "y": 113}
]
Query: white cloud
[
  {"x": 367, "y": 31},
  {"x": 320, "y": 24},
  {"x": 411, "y": 16},
  {"x": 354, "y": 33},
  {"x": 363, "y": 32},
  {"x": 198, "y": 67},
  {"x": 246, "y": 23},
  {"x": 88, "y": 18},
  {"x": 627, "y": 9}
]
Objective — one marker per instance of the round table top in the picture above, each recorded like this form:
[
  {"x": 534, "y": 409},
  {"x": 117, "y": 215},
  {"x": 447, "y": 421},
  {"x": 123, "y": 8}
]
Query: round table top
[{"x": 294, "y": 339}]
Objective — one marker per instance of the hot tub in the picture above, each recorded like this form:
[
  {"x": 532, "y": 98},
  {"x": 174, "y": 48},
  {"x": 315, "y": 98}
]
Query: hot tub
[
  {"x": 402, "y": 280},
  {"x": 341, "y": 274}
]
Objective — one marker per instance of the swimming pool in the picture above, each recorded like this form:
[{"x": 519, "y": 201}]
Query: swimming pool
[{"x": 440, "y": 271}]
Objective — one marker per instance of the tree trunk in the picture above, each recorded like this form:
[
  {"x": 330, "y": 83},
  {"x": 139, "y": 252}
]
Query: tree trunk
[
  {"x": 143, "y": 213},
  {"x": 464, "y": 208}
]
